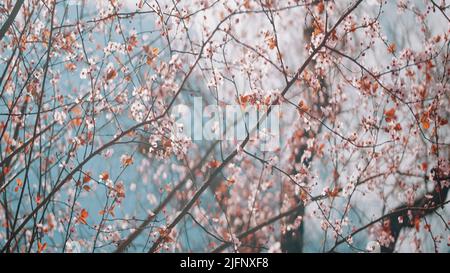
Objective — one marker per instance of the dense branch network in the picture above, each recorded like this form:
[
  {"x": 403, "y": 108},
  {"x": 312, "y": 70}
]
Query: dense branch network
[{"x": 96, "y": 154}]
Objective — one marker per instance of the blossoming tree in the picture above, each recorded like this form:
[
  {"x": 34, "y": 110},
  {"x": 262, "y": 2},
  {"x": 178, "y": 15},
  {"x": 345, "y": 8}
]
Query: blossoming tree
[{"x": 94, "y": 156}]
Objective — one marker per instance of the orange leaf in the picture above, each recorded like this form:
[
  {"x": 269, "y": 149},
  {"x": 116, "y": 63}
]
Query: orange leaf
[
  {"x": 41, "y": 247},
  {"x": 165, "y": 234},
  {"x": 19, "y": 185},
  {"x": 334, "y": 192},
  {"x": 424, "y": 166},
  {"x": 303, "y": 196},
  {"x": 303, "y": 106},
  {"x": 214, "y": 164},
  {"x": 390, "y": 114},
  {"x": 70, "y": 66},
  {"x": 152, "y": 53},
  {"x": 76, "y": 111},
  {"x": 417, "y": 223},
  {"x": 320, "y": 7},
  {"x": 391, "y": 48},
  {"x": 272, "y": 42},
  {"x": 243, "y": 99},
  {"x": 87, "y": 178},
  {"x": 83, "y": 216},
  {"x": 77, "y": 121},
  {"x": 126, "y": 160},
  {"x": 111, "y": 211},
  {"x": 425, "y": 122},
  {"x": 434, "y": 149},
  {"x": 104, "y": 176},
  {"x": 112, "y": 73}
]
